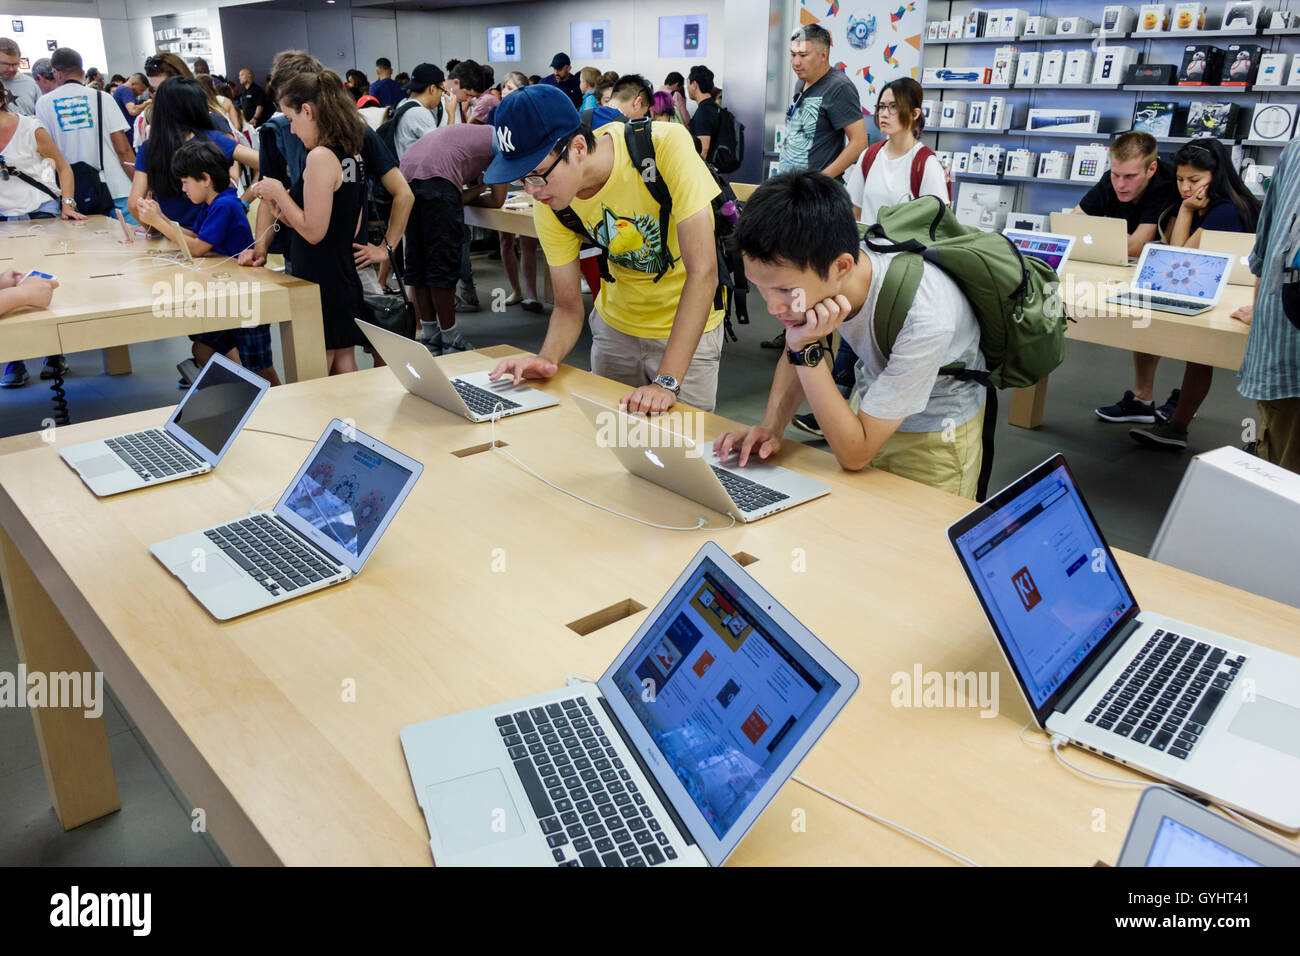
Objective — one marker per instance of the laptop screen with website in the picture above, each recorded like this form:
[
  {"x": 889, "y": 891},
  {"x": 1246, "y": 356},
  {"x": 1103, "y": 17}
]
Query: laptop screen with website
[
  {"x": 1045, "y": 577},
  {"x": 1177, "y": 844},
  {"x": 1184, "y": 272},
  {"x": 213, "y": 410},
  {"x": 722, "y": 692},
  {"x": 1051, "y": 249}
]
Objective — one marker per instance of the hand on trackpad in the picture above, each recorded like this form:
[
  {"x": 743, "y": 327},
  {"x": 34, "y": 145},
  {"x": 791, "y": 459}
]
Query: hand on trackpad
[
  {"x": 473, "y": 811},
  {"x": 1269, "y": 722}
]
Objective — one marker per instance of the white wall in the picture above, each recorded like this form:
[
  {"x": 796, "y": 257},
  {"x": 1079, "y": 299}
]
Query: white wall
[{"x": 83, "y": 34}]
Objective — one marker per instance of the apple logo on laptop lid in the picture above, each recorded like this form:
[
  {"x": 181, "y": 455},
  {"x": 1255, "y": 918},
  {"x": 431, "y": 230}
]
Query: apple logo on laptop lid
[
  {"x": 654, "y": 459},
  {"x": 1087, "y": 239},
  {"x": 412, "y": 370}
]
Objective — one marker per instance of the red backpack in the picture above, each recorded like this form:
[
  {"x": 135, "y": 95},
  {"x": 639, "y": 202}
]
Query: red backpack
[{"x": 918, "y": 166}]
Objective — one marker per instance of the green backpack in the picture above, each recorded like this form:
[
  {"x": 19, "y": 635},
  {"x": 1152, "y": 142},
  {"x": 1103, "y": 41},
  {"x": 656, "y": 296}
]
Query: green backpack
[{"x": 1015, "y": 297}]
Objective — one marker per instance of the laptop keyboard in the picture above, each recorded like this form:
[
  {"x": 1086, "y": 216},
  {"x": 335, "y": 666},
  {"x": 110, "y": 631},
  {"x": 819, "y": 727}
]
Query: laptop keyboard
[
  {"x": 1133, "y": 298},
  {"x": 748, "y": 495},
  {"x": 152, "y": 454},
  {"x": 590, "y": 810},
  {"x": 1168, "y": 693},
  {"x": 276, "y": 560},
  {"x": 480, "y": 400}
]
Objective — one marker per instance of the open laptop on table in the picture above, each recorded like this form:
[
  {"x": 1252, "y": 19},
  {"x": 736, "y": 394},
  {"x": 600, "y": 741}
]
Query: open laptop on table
[
  {"x": 1208, "y": 712},
  {"x": 1177, "y": 279},
  {"x": 192, "y": 442},
  {"x": 1238, "y": 244},
  {"x": 1170, "y": 830},
  {"x": 679, "y": 464},
  {"x": 666, "y": 760},
  {"x": 321, "y": 531},
  {"x": 1101, "y": 239},
  {"x": 471, "y": 395},
  {"x": 1053, "y": 248}
]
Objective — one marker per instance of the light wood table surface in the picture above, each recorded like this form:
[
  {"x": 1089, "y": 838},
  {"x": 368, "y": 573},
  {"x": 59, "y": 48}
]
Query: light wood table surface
[
  {"x": 1211, "y": 338},
  {"x": 517, "y": 222},
  {"x": 467, "y": 601},
  {"x": 111, "y": 294}
]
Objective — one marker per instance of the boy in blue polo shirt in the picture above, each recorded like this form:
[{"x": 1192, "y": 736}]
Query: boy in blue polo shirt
[{"x": 220, "y": 228}]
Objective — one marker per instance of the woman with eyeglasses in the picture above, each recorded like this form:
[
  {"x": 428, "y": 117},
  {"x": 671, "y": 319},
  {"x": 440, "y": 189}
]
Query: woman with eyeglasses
[
  {"x": 1212, "y": 196},
  {"x": 159, "y": 68},
  {"x": 899, "y": 167}
]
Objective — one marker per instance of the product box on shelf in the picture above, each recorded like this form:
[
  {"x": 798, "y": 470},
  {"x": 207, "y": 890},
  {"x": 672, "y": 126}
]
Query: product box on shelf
[
  {"x": 928, "y": 108},
  {"x": 952, "y": 114},
  {"x": 1189, "y": 16},
  {"x": 961, "y": 162},
  {"x": 1090, "y": 162},
  {"x": 1283, "y": 20},
  {"x": 1078, "y": 68},
  {"x": 1058, "y": 120},
  {"x": 1021, "y": 162},
  {"x": 999, "y": 114},
  {"x": 1241, "y": 65},
  {"x": 1111, "y": 63},
  {"x": 1039, "y": 26},
  {"x": 1153, "y": 18},
  {"x": 973, "y": 25},
  {"x": 945, "y": 159},
  {"x": 1026, "y": 221},
  {"x": 1207, "y": 118},
  {"x": 1202, "y": 65},
  {"x": 932, "y": 30},
  {"x": 1245, "y": 15},
  {"x": 1154, "y": 117},
  {"x": 955, "y": 27},
  {"x": 1054, "y": 164},
  {"x": 1004, "y": 65},
  {"x": 975, "y": 114},
  {"x": 1273, "y": 122},
  {"x": 1074, "y": 26},
  {"x": 1151, "y": 74},
  {"x": 972, "y": 76},
  {"x": 1118, "y": 19},
  {"x": 1012, "y": 22},
  {"x": 984, "y": 205},
  {"x": 1027, "y": 68},
  {"x": 1257, "y": 177},
  {"x": 1294, "y": 78},
  {"x": 1272, "y": 69},
  {"x": 1053, "y": 67}
]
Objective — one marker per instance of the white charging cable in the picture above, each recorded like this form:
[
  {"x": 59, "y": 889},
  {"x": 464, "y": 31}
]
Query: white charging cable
[{"x": 701, "y": 526}]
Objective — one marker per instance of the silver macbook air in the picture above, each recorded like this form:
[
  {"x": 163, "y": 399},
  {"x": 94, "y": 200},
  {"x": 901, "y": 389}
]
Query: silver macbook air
[
  {"x": 1238, "y": 244},
  {"x": 1051, "y": 247},
  {"x": 666, "y": 760},
  {"x": 193, "y": 442},
  {"x": 1101, "y": 239},
  {"x": 321, "y": 531},
  {"x": 677, "y": 462},
  {"x": 1208, "y": 712},
  {"x": 1177, "y": 279},
  {"x": 1170, "y": 830},
  {"x": 472, "y": 395}
]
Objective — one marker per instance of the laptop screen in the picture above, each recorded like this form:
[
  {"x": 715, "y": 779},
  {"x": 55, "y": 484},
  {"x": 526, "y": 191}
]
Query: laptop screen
[
  {"x": 1051, "y": 249},
  {"x": 1177, "y": 844},
  {"x": 1045, "y": 577},
  {"x": 722, "y": 692},
  {"x": 1184, "y": 272},
  {"x": 346, "y": 491},
  {"x": 212, "y": 411}
]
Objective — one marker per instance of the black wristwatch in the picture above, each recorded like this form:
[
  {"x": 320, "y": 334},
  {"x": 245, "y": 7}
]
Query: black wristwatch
[{"x": 810, "y": 356}]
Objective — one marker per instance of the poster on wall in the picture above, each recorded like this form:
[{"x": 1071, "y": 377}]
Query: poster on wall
[
  {"x": 503, "y": 44},
  {"x": 17, "y": 25},
  {"x": 589, "y": 39},
  {"x": 872, "y": 43},
  {"x": 684, "y": 36}
]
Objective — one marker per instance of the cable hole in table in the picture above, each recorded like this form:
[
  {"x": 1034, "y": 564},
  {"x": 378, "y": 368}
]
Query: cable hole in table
[
  {"x": 593, "y": 622},
  {"x": 476, "y": 449}
]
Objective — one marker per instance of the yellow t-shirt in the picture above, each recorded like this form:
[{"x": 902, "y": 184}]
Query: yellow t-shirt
[{"x": 624, "y": 218}]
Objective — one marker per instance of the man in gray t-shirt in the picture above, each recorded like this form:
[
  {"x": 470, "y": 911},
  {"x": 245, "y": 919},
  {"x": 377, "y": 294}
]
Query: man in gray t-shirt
[
  {"x": 21, "y": 91},
  {"x": 824, "y": 128},
  {"x": 799, "y": 238}
]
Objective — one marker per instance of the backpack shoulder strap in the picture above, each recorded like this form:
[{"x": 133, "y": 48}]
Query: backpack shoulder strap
[
  {"x": 869, "y": 156},
  {"x": 919, "y": 159},
  {"x": 641, "y": 150},
  {"x": 902, "y": 279}
]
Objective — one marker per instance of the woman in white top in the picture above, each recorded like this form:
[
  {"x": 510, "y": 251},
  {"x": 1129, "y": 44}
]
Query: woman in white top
[{"x": 900, "y": 168}]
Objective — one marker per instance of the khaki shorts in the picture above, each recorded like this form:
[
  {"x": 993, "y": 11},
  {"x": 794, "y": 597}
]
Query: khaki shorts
[
  {"x": 635, "y": 361},
  {"x": 1279, "y": 432},
  {"x": 952, "y": 465}
]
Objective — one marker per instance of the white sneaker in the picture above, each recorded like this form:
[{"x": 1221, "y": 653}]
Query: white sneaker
[{"x": 514, "y": 299}]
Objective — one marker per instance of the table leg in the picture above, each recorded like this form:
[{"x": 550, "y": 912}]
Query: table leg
[
  {"x": 117, "y": 360},
  {"x": 302, "y": 338},
  {"x": 74, "y": 747},
  {"x": 1027, "y": 405}
]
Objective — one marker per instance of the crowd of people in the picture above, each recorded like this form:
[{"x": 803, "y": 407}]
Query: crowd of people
[{"x": 368, "y": 180}]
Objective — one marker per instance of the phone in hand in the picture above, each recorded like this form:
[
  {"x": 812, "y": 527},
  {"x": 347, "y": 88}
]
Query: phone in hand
[{"x": 39, "y": 275}]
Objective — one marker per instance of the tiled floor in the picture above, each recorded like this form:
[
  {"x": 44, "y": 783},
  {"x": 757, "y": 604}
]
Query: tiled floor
[{"x": 1128, "y": 487}]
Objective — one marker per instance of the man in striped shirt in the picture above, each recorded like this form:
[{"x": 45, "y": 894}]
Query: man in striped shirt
[{"x": 1270, "y": 372}]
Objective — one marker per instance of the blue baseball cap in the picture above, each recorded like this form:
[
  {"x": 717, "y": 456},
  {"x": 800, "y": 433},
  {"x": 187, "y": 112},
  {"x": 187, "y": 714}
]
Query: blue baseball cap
[{"x": 528, "y": 123}]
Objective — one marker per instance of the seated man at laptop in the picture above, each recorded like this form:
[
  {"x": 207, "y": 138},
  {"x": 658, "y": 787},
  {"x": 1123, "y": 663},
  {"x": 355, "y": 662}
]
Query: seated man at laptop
[
  {"x": 799, "y": 238},
  {"x": 1138, "y": 188}
]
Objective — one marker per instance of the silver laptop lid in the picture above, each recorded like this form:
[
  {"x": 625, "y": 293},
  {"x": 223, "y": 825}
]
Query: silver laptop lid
[
  {"x": 1170, "y": 830},
  {"x": 346, "y": 493},
  {"x": 209, "y": 417},
  {"x": 722, "y": 691},
  {"x": 1196, "y": 275}
]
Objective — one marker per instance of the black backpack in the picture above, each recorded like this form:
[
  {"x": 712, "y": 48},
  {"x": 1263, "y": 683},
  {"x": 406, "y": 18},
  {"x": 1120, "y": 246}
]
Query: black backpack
[
  {"x": 388, "y": 128},
  {"x": 732, "y": 285},
  {"x": 727, "y": 150}
]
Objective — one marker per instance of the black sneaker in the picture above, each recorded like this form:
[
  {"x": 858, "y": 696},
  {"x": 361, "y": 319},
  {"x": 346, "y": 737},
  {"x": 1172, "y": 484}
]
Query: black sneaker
[
  {"x": 1169, "y": 435},
  {"x": 808, "y": 423},
  {"x": 775, "y": 342},
  {"x": 55, "y": 365},
  {"x": 1165, "y": 412},
  {"x": 1128, "y": 409}
]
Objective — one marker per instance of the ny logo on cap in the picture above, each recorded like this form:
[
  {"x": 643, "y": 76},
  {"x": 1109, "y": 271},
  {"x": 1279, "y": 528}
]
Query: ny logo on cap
[{"x": 504, "y": 140}]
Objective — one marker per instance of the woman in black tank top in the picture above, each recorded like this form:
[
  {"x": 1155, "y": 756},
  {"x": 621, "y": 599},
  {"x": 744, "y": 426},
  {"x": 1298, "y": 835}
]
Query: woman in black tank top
[{"x": 324, "y": 207}]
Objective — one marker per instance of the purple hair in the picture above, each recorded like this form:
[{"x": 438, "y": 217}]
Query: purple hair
[{"x": 663, "y": 103}]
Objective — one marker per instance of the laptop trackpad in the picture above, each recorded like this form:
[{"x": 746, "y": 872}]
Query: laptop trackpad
[
  {"x": 101, "y": 465},
  {"x": 1271, "y": 723},
  {"x": 473, "y": 811}
]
